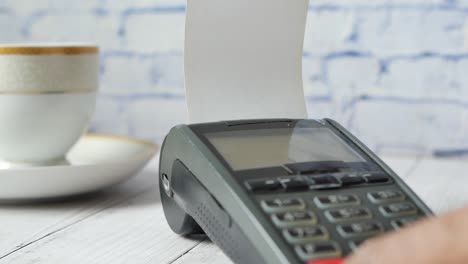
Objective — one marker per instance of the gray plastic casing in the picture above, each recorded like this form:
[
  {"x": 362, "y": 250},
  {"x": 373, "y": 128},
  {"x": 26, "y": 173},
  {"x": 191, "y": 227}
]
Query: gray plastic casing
[{"x": 182, "y": 144}]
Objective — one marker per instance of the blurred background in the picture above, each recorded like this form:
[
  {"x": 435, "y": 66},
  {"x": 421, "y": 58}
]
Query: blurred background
[{"x": 395, "y": 72}]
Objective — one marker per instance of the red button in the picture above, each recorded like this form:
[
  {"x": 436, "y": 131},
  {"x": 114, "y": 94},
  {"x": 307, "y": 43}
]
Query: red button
[{"x": 327, "y": 261}]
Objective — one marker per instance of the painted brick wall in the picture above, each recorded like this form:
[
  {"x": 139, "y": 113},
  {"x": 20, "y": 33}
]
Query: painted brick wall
[{"x": 395, "y": 72}]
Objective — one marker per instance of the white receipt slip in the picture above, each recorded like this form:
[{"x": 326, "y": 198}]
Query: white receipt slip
[{"x": 243, "y": 59}]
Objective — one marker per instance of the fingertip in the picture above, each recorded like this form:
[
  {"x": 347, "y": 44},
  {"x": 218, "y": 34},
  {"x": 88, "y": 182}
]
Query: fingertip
[{"x": 351, "y": 260}]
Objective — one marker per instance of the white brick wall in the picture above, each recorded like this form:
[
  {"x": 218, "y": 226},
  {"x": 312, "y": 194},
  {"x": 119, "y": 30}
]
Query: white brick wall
[
  {"x": 353, "y": 74},
  {"x": 163, "y": 30},
  {"x": 130, "y": 73},
  {"x": 406, "y": 124},
  {"x": 153, "y": 117},
  {"x": 422, "y": 77},
  {"x": 393, "y": 71},
  {"x": 9, "y": 28},
  {"x": 79, "y": 26},
  {"x": 390, "y": 32},
  {"x": 328, "y": 31},
  {"x": 110, "y": 116}
]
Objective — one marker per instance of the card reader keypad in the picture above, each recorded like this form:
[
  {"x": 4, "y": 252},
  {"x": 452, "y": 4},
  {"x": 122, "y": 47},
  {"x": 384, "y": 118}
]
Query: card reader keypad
[
  {"x": 348, "y": 214},
  {"x": 283, "y": 205},
  {"x": 300, "y": 183},
  {"x": 330, "y": 201},
  {"x": 360, "y": 229},
  {"x": 264, "y": 185},
  {"x": 376, "y": 178},
  {"x": 400, "y": 209},
  {"x": 294, "y": 218},
  {"x": 352, "y": 180},
  {"x": 329, "y": 223},
  {"x": 292, "y": 184},
  {"x": 318, "y": 250},
  {"x": 386, "y": 196},
  {"x": 400, "y": 223},
  {"x": 323, "y": 180},
  {"x": 305, "y": 234}
]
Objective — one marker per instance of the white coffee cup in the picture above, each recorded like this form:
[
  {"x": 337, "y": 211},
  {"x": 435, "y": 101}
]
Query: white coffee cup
[{"x": 47, "y": 97}]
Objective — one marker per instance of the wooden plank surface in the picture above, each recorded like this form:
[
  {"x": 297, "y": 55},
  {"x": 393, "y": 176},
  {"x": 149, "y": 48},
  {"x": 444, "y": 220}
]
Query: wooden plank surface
[
  {"x": 24, "y": 224},
  {"x": 123, "y": 225},
  {"x": 126, "y": 224},
  {"x": 204, "y": 253}
]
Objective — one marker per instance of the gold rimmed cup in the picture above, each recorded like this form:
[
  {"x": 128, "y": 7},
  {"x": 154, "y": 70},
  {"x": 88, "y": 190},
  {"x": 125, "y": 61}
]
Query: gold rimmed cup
[
  {"x": 50, "y": 49},
  {"x": 48, "y": 68},
  {"x": 47, "y": 97}
]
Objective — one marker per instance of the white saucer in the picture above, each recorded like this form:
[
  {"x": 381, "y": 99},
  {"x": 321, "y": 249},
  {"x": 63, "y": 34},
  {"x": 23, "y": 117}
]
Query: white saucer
[{"x": 96, "y": 162}]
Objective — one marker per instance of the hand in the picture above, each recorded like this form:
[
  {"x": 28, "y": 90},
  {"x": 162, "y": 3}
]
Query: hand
[{"x": 442, "y": 240}]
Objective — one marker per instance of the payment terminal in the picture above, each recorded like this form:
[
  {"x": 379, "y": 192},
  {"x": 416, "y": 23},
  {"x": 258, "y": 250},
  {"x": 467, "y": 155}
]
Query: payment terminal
[{"x": 280, "y": 191}]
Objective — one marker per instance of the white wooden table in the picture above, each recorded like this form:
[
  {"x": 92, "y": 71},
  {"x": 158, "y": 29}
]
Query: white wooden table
[{"x": 126, "y": 224}]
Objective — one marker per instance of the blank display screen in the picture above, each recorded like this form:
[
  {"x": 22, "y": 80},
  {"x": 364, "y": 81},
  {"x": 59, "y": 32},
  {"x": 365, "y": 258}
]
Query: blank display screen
[{"x": 260, "y": 148}]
